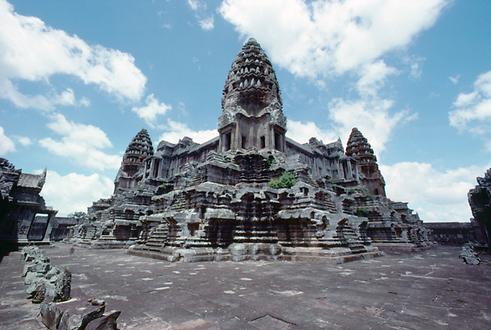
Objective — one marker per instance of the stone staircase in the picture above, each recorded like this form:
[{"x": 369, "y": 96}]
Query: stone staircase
[
  {"x": 157, "y": 239},
  {"x": 347, "y": 235}
]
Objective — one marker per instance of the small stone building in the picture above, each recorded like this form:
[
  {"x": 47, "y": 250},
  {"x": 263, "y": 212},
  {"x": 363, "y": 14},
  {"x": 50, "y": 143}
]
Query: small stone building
[{"x": 24, "y": 216}]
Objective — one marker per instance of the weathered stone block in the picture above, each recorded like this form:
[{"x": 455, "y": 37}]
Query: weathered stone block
[
  {"x": 106, "y": 322},
  {"x": 51, "y": 315}
]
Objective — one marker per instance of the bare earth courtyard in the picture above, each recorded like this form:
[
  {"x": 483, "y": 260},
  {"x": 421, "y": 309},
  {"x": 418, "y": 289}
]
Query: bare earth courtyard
[{"x": 428, "y": 290}]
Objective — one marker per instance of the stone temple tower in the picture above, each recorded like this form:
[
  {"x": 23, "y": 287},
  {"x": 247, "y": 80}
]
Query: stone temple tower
[
  {"x": 252, "y": 116},
  {"x": 359, "y": 148},
  {"x": 133, "y": 163}
]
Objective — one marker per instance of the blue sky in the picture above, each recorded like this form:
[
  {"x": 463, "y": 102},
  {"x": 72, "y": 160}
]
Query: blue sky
[{"x": 79, "y": 79}]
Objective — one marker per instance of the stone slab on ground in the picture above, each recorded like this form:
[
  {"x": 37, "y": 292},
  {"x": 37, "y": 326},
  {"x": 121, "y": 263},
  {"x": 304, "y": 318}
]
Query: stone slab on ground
[{"x": 431, "y": 289}]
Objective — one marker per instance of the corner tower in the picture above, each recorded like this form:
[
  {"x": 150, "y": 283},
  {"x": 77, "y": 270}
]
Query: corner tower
[
  {"x": 359, "y": 148},
  {"x": 252, "y": 116},
  {"x": 133, "y": 163}
]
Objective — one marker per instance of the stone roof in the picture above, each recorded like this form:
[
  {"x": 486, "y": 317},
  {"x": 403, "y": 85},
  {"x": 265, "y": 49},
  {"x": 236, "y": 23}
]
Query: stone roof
[{"x": 34, "y": 181}]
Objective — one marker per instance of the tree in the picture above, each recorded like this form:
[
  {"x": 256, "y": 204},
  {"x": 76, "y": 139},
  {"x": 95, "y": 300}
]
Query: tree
[{"x": 79, "y": 216}]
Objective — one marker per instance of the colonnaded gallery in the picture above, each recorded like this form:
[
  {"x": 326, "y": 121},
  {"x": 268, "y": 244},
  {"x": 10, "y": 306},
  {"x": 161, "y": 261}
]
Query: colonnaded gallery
[{"x": 251, "y": 192}]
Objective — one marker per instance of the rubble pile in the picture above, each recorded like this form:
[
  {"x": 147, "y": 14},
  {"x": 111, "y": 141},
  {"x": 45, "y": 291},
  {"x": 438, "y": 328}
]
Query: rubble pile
[
  {"x": 50, "y": 285},
  {"x": 469, "y": 256}
]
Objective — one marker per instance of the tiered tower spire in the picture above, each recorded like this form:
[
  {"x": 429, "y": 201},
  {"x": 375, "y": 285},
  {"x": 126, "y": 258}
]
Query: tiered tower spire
[
  {"x": 359, "y": 148},
  {"x": 252, "y": 114},
  {"x": 133, "y": 161}
]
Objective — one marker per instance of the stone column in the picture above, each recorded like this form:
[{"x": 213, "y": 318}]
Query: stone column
[
  {"x": 152, "y": 165},
  {"x": 237, "y": 138},
  {"x": 350, "y": 172},
  {"x": 272, "y": 138},
  {"x": 49, "y": 227}
]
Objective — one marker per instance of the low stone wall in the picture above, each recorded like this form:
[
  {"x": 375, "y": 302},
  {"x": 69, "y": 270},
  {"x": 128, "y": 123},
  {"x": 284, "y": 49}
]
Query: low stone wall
[
  {"x": 455, "y": 233},
  {"x": 51, "y": 285}
]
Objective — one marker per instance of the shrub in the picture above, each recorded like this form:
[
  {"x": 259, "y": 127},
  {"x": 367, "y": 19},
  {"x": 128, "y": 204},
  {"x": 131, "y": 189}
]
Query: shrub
[
  {"x": 286, "y": 180},
  {"x": 270, "y": 161},
  {"x": 165, "y": 188},
  {"x": 361, "y": 213}
]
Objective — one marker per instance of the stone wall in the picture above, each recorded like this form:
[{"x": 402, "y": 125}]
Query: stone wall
[{"x": 455, "y": 233}]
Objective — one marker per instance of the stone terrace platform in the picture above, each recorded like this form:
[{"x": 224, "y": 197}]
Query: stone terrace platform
[{"x": 428, "y": 290}]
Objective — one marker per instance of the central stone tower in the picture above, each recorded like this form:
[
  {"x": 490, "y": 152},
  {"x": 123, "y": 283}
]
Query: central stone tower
[{"x": 252, "y": 116}]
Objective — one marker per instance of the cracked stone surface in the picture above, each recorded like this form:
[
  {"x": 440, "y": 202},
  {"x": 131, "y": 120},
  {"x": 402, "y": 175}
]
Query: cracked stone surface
[{"x": 428, "y": 290}]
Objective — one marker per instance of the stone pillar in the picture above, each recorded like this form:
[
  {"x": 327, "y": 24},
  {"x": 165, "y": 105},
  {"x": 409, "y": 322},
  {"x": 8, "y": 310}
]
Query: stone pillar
[
  {"x": 49, "y": 227},
  {"x": 251, "y": 138},
  {"x": 272, "y": 138},
  {"x": 152, "y": 165},
  {"x": 237, "y": 138},
  {"x": 350, "y": 171},
  {"x": 221, "y": 146},
  {"x": 357, "y": 174}
]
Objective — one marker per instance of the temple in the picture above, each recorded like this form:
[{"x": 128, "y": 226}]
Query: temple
[
  {"x": 24, "y": 216},
  {"x": 479, "y": 199},
  {"x": 251, "y": 192}
]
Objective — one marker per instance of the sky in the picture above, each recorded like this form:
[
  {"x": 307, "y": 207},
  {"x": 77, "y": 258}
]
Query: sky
[{"x": 78, "y": 79}]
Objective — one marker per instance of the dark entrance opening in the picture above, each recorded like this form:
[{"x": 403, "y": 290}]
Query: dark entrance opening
[
  {"x": 227, "y": 140},
  {"x": 277, "y": 141}
]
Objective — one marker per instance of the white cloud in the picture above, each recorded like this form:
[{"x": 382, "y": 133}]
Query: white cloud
[
  {"x": 80, "y": 143},
  {"x": 151, "y": 110},
  {"x": 436, "y": 195},
  {"x": 6, "y": 144},
  {"x": 369, "y": 113},
  {"x": 75, "y": 192},
  {"x": 84, "y": 102},
  {"x": 200, "y": 9},
  {"x": 330, "y": 37},
  {"x": 415, "y": 70},
  {"x": 370, "y": 116},
  {"x": 32, "y": 51},
  {"x": 10, "y": 92},
  {"x": 472, "y": 111},
  {"x": 23, "y": 140},
  {"x": 196, "y": 5},
  {"x": 303, "y": 131},
  {"x": 174, "y": 131},
  {"x": 474, "y": 107},
  {"x": 454, "y": 79},
  {"x": 373, "y": 76},
  {"x": 324, "y": 39},
  {"x": 207, "y": 23}
]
